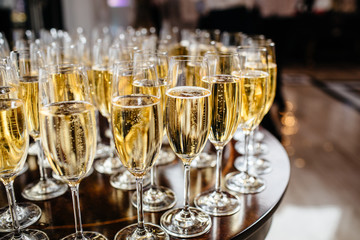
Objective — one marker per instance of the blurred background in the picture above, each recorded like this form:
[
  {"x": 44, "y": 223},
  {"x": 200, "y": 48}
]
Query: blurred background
[{"x": 316, "y": 110}]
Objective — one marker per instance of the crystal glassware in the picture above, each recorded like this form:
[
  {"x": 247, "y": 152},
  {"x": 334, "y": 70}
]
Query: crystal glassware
[
  {"x": 14, "y": 144},
  {"x": 137, "y": 125},
  {"x": 27, "y": 63},
  {"x": 68, "y": 126},
  {"x": 226, "y": 106},
  {"x": 188, "y": 118},
  {"x": 253, "y": 81}
]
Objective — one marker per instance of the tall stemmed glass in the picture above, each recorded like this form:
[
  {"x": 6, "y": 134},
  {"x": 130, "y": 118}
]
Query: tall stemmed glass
[
  {"x": 14, "y": 145},
  {"x": 27, "y": 63},
  {"x": 156, "y": 198},
  {"x": 101, "y": 84},
  {"x": 27, "y": 213},
  {"x": 68, "y": 127},
  {"x": 253, "y": 92},
  {"x": 259, "y": 164},
  {"x": 124, "y": 77},
  {"x": 225, "y": 104},
  {"x": 188, "y": 118},
  {"x": 137, "y": 126}
]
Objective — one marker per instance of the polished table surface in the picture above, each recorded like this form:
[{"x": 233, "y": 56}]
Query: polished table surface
[{"x": 107, "y": 210}]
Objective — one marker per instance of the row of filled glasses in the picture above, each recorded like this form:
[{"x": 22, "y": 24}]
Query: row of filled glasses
[{"x": 212, "y": 96}]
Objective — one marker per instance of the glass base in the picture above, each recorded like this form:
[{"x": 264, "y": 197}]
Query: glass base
[
  {"x": 124, "y": 180},
  {"x": 257, "y": 165},
  {"x": 27, "y": 234},
  {"x": 260, "y": 150},
  {"x": 156, "y": 199},
  {"x": 28, "y": 214},
  {"x": 87, "y": 236},
  {"x": 166, "y": 156},
  {"x": 204, "y": 160},
  {"x": 152, "y": 232},
  {"x": 57, "y": 177},
  {"x": 220, "y": 203},
  {"x": 102, "y": 151},
  {"x": 108, "y": 165},
  {"x": 44, "y": 190},
  {"x": 240, "y": 136},
  {"x": 244, "y": 183},
  {"x": 259, "y": 136},
  {"x": 183, "y": 224}
]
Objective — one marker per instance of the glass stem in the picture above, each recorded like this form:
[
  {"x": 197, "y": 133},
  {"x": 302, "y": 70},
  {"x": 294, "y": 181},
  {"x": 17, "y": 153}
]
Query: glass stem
[
  {"x": 112, "y": 143},
  {"x": 40, "y": 155},
  {"x": 98, "y": 135},
  {"x": 186, "y": 187},
  {"x": 246, "y": 150},
  {"x": 140, "y": 212},
  {"x": 153, "y": 175},
  {"x": 12, "y": 207},
  {"x": 252, "y": 142},
  {"x": 77, "y": 213},
  {"x": 219, "y": 152}
]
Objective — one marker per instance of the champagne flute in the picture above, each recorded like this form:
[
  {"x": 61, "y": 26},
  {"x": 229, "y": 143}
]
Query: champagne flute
[
  {"x": 27, "y": 63},
  {"x": 257, "y": 164},
  {"x": 253, "y": 93},
  {"x": 101, "y": 85},
  {"x": 123, "y": 76},
  {"x": 68, "y": 126},
  {"x": 225, "y": 104},
  {"x": 14, "y": 145},
  {"x": 156, "y": 198},
  {"x": 27, "y": 213},
  {"x": 68, "y": 53},
  {"x": 137, "y": 126},
  {"x": 188, "y": 126}
]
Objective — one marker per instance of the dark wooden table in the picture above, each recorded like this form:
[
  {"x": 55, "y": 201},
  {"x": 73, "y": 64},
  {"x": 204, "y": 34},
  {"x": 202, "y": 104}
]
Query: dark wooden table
[{"x": 107, "y": 210}]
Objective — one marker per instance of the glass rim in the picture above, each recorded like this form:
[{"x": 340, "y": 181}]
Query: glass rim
[
  {"x": 250, "y": 47},
  {"x": 186, "y": 57},
  {"x": 62, "y": 65}
]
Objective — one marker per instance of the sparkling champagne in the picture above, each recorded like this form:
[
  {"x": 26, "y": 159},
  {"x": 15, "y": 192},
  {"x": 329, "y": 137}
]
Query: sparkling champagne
[
  {"x": 225, "y": 108},
  {"x": 67, "y": 86},
  {"x": 148, "y": 87},
  {"x": 29, "y": 93},
  {"x": 14, "y": 138},
  {"x": 253, "y": 97},
  {"x": 188, "y": 120},
  {"x": 102, "y": 80},
  {"x": 69, "y": 138},
  {"x": 137, "y": 129},
  {"x": 271, "y": 86}
]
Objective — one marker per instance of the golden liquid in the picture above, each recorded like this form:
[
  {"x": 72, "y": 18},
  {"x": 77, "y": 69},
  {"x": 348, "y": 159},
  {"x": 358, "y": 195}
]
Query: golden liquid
[
  {"x": 29, "y": 93},
  {"x": 7, "y": 92},
  {"x": 69, "y": 138},
  {"x": 67, "y": 86},
  {"x": 102, "y": 90},
  {"x": 271, "y": 85},
  {"x": 188, "y": 120},
  {"x": 225, "y": 108},
  {"x": 177, "y": 49},
  {"x": 14, "y": 138},
  {"x": 90, "y": 75},
  {"x": 253, "y": 97},
  {"x": 137, "y": 129},
  {"x": 147, "y": 87}
]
